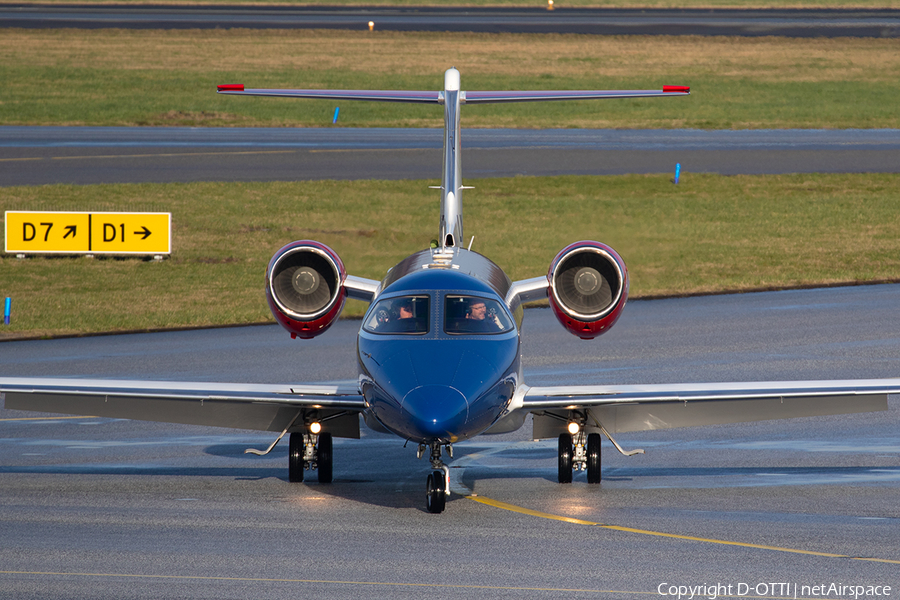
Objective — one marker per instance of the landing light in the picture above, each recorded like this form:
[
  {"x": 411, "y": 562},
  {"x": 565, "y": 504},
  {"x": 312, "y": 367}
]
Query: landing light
[
  {"x": 574, "y": 428},
  {"x": 315, "y": 427}
]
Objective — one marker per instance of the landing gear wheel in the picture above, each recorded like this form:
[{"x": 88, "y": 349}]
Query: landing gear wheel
[
  {"x": 593, "y": 458},
  {"x": 565, "y": 458},
  {"x": 324, "y": 462},
  {"x": 435, "y": 498},
  {"x": 295, "y": 458}
]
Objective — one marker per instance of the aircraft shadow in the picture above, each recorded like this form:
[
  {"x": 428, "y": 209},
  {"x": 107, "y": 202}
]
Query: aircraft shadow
[
  {"x": 795, "y": 474},
  {"x": 397, "y": 479},
  {"x": 280, "y": 452},
  {"x": 159, "y": 471}
]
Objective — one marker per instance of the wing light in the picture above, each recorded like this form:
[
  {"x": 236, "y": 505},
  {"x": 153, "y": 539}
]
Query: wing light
[
  {"x": 231, "y": 87},
  {"x": 676, "y": 89}
]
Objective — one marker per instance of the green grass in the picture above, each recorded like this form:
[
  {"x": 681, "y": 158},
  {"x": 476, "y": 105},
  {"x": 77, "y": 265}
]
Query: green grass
[
  {"x": 114, "y": 77},
  {"x": 706, "y": 234}
]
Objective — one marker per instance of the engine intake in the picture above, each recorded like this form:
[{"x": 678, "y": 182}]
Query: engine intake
[
  {"x": 304, "y": 287},
  {"x": 588, "y": 288}
]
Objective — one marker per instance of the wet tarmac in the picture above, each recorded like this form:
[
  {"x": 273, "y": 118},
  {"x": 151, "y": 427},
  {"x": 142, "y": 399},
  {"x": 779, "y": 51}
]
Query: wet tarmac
[{"x": 103, "y": 508}]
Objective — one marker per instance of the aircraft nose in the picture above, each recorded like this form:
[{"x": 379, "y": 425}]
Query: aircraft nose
[{"x": 436, "y": 410}]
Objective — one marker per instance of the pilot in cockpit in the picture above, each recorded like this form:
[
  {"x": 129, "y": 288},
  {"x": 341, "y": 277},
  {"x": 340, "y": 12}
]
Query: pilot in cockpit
[
  {"x": 477, "y": 311},
  {"x": 405, "y": 309}
]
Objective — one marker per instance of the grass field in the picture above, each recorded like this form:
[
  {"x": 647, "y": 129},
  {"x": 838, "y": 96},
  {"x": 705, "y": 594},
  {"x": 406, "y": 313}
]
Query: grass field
[
  {"x": 706, "y": 234},
  {"x": 115, "y": 77}
]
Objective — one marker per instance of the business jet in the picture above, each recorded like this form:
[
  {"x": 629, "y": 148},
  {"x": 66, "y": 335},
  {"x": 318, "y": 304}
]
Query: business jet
[{"x": 439, "y": 348}]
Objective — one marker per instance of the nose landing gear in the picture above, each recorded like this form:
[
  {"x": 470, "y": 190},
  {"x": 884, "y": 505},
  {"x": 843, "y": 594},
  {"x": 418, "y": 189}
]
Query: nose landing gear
[{"x": 437, "y": 486}]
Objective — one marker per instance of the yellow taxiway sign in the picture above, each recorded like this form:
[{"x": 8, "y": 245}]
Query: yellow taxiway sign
[{"x": 38, "y": 232}]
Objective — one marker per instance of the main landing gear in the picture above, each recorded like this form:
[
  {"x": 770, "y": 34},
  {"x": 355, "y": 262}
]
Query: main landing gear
[
  {"x": 310, "y": 450},
  {"x": 313, "y": 452},
  {"x": 579, "y": 452},
  {"x": 437, "y": 486}
]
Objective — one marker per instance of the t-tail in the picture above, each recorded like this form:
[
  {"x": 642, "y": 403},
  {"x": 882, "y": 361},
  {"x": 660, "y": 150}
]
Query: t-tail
[{"x": 452, "y": 97}]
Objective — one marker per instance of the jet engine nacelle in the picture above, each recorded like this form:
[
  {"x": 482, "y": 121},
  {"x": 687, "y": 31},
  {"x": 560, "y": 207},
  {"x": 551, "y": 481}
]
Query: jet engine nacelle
[
  {"x": 304, "y": 287},
  {"x": 588, "y": 288}
]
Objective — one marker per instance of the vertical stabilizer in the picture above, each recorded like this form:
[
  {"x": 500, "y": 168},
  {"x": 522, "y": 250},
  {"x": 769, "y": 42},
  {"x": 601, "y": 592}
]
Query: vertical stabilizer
[{"x": 451, "y": 180}]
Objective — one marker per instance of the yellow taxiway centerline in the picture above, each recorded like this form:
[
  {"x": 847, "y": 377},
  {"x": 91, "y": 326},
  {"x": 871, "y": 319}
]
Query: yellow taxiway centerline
[{"x": 543, "y": 515}]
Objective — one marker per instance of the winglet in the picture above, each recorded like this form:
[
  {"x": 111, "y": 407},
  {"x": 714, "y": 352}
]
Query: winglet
[
  {"x": 671, "y": 89},
  {"x": 231, "y": 87}
]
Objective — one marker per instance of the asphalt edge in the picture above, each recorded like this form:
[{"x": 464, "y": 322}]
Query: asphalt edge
[{"x": 530, "y": 305}]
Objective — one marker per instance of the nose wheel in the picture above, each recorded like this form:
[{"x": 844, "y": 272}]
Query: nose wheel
[
  {"x": 435, "y": 492},
  {"x": 437, "y": 486}
]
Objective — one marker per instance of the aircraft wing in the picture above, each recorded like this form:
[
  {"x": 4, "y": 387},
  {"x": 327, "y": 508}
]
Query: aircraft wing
[
  {"x": 236, "y": 405},
  {"x": 623, "y": 408}
]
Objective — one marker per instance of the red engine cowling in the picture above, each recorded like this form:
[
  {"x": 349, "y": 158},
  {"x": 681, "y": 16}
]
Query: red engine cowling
[
  {"x": 588, "y": 288},
  {"x": 304, "y": 288}
]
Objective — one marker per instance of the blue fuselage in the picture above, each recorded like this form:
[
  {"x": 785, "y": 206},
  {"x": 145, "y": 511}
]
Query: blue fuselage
[{"x": 440, "y": 375}]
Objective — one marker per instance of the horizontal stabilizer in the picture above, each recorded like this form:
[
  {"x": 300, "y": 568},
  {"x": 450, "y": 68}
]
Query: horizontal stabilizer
[
  {"x": 465, "y": 97},
  {"x": 370, "y": 95},
  {"x": 486, "y": 97}
]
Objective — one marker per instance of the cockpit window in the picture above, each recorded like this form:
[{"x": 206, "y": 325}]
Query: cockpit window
[
  {"x": 403, "y": 315},
  {"x": 473, "y": 315}
]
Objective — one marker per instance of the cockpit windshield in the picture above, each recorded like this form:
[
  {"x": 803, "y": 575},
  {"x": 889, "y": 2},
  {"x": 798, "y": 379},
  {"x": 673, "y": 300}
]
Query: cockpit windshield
[
  {"x": 474, "y": 315},
  {"x": 403, "y": 315}
]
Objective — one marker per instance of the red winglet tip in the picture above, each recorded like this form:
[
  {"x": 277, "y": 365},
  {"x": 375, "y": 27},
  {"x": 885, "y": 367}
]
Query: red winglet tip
[
  {"x": 667, "y": 89},
  {"x": 231, "y": 87}
]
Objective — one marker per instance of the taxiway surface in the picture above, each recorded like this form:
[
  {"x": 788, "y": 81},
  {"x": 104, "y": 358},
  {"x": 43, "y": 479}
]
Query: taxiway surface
[
  {"x": 102, "y": 508},
  {"x": 594, "y": 21},
  {"x": 88, "y": 155}
]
